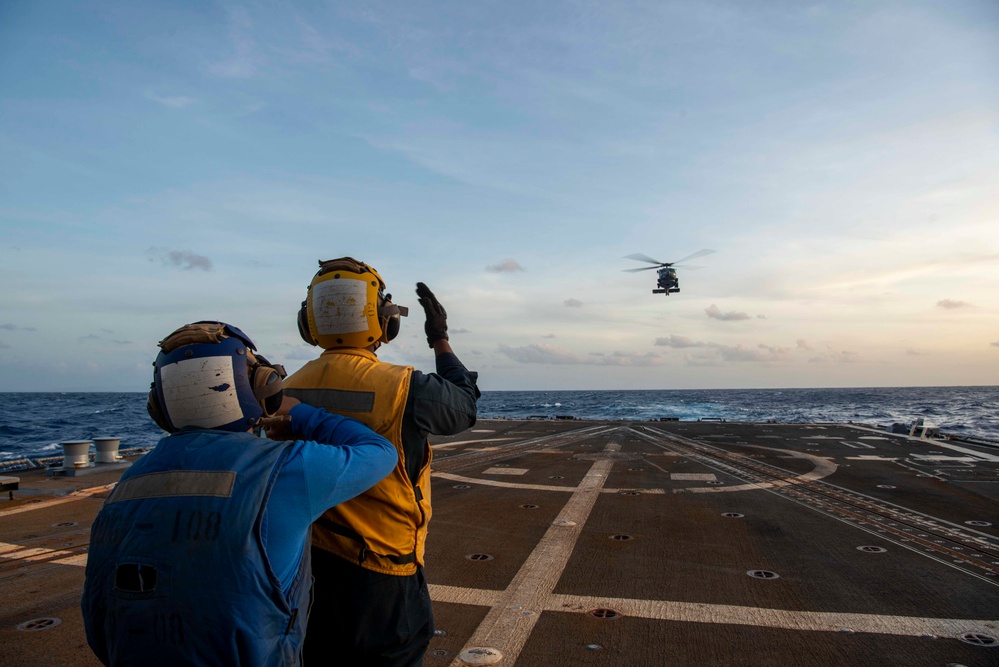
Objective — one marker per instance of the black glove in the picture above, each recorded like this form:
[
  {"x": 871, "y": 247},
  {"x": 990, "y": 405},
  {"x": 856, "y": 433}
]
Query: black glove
[{"x": 436, "y": 326}]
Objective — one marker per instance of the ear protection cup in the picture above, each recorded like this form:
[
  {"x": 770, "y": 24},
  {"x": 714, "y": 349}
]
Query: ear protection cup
[
  {"x": 156, "y": 412},
  {"x": 265, "y": 378},
  {"x": 391, "y": 328},
  {"x": 303, "y": 324}
]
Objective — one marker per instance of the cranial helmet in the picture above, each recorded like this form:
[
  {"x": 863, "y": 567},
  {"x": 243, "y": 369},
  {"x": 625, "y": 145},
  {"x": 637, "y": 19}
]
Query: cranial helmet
[
  {"x": 346, "y": 307},
  {"x": 207, "y": 376}
]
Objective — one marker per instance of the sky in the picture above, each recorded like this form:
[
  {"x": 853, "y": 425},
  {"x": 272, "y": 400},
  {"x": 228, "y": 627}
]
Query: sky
[{"x": 163, "y": 163}]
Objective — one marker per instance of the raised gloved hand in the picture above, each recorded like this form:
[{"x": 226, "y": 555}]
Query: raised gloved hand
[{"x": 436, "y": 326}]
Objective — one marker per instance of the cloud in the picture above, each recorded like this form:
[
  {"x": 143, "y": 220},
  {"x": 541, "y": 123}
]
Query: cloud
[
  {"x": 177, "y": 102},
  {"x": 803, "y": 344},
  {"x": 573, "y": 303},
  {"x": 506, "y": 266},
  {"x": 551, "y": 335},
  {"x": 995, "y": 344},
  {"x": 716, "y": 352},
  {"x": 678, "y": 342},
  {"x": 14, "y": 327},
  {"x": 459, "y": 331},
  {"x": 244, "y": 59},
  {"x": 713, "y": 312},
  {"x": 83, "y": 339},
  {"x": 841, "y": 357},
  {"x": 951, "y": 304},
  {"x": 554, "y": 355},
  {"x": 185, "y": 259}
]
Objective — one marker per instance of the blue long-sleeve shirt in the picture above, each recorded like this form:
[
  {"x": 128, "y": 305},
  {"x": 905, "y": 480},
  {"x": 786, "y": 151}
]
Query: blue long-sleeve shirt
[{"x": 341, "y": 459}]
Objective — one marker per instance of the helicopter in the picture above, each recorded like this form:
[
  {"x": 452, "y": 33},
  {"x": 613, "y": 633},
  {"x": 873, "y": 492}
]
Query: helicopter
[{"x": 667, "y": 283}]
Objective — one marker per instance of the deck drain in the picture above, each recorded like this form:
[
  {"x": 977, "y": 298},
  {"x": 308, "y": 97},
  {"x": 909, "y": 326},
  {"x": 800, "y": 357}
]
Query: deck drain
[
  {"x": 594, "y": 647},
  {"x": 603, "y": 613},
  {"x": 555, "y": 477},
  {"x": 439, "y": 653},
  {"x": 440, "y": 633},
  {"x": 631, "y": 493},
  {"x": 529, "y": 507},
  {"x": 886, "y": 486},
  {"x": 621, "y": 538},
  {"x": 479, "y": 557},
  {"x": 64, "y": 524},
  {"x": 36, "y": 624},
  {"x": 980, "y": 524},
  {"x": 563, "y": 522},
  {"x": 763, "y": 574},
  {"x": 502, "y": 465},
  {"x": 636, "y": 469},
  {"x": 733, "y": 515},
  {"x": 872, "y": 550},
  {"x": 715, "y": 481},
  {"x": 978, "y": 639},
  {"x": 461, "y": 486}
]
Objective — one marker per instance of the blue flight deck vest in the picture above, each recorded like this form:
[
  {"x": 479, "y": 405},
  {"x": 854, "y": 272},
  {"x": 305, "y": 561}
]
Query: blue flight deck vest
[{"x": 177, "y": 573}]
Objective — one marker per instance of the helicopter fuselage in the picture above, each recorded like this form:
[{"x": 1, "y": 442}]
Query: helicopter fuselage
[{"x": 667, "y": 282}]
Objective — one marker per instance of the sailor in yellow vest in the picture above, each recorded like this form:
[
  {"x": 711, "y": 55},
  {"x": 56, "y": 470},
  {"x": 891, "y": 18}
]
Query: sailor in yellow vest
[{"x": 372, "y": 607}]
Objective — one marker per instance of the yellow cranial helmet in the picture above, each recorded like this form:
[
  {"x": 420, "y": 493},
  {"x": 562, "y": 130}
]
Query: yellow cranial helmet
[{"x": 346, "y": 307}]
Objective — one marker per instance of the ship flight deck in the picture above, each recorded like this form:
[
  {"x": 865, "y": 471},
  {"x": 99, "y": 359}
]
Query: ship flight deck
[{"x": 570, "y": 542}]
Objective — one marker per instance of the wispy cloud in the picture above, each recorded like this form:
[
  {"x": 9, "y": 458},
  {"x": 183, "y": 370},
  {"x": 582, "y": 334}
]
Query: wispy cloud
[
  {"x": 839, "y": 357},
  {"x": 544, "y": 353},
  {"x": 573, "y": 303},
  {"x": 185, "y": 259},
  {"x": 14, "y": 327},
  {"x": 506, "y": 266},
  {"x": 678, "y": 342},
  {"x": 243, "y": 61},
  {"x": 951, "y": 304},
  {"x": 714, "y": 312},
  {"x": 707, "y": 352},
  {"x": 174, "y": 102}
]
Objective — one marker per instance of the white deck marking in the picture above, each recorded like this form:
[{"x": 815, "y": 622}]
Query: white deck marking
[
  {"x": 857, "y": 445},
  {"x": 446, "y": 445},
  {"x": 513, "y": 615},
  {"x": 693, "y": 477},
  {"x": 724, "y": 614},
  {"x": 18, "y": 552},
  {"x": 505, "y": 471},
  {"x": 495, "y": 482},
  {"x": 911, "y": 626},
  {"x": 82, "y": 494}
]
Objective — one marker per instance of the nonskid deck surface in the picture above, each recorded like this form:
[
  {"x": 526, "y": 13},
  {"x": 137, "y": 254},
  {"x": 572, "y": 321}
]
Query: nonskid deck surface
[{"x": 640, "y": 543}]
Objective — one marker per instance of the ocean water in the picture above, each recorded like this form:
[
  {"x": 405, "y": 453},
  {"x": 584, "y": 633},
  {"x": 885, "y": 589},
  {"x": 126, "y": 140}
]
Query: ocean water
[{"x": 33, "y": 425}]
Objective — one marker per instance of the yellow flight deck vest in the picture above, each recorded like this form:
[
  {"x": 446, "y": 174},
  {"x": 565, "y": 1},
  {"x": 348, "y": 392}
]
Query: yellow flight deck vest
[{"x": 385, "y": 528}]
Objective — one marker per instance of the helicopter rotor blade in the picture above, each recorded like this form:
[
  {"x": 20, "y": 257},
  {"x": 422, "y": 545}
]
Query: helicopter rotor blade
[
  {"x": 643, "y": 258},
  {"x": 699, "y": 253},
  {"x": 643, "y": 268}
]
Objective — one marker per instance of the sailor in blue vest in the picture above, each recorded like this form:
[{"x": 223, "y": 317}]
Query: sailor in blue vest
[{"x": 199, "y": 555}]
